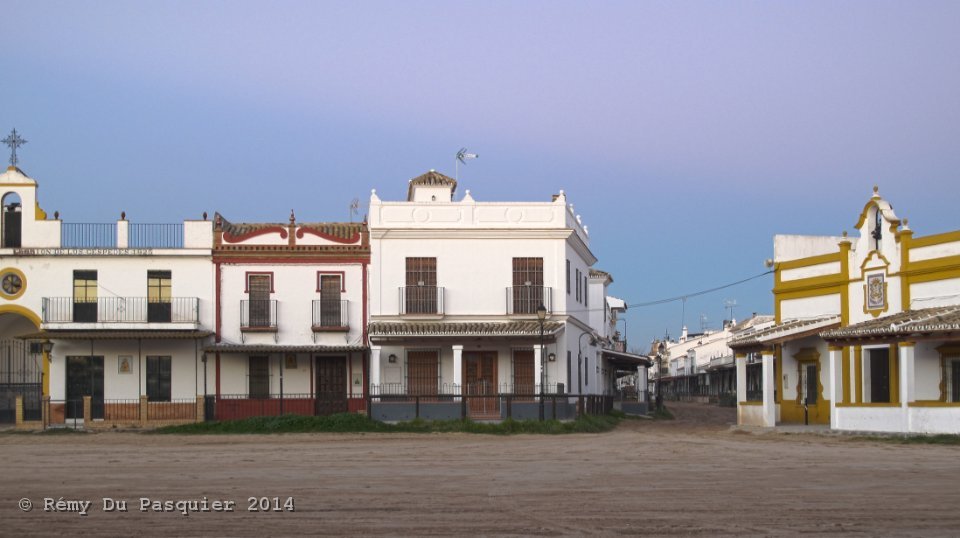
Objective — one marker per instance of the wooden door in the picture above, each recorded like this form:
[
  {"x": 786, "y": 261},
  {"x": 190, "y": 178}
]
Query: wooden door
[
  {"x": 480, "y": 383},
  {"x": 84, "y": 378},
  {"x": 259, "y": 377},
  {"x": 331, "y": 383},
  {"x": 524, "y": 372},
  {"x": 421, "y": 290}
]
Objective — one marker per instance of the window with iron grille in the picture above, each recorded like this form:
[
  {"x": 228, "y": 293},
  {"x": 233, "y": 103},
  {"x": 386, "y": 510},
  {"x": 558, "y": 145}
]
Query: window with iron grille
[
  {"x": 330, "y": 306},
  {"x": 423, "y": 373},
  {"x": 527, "y": 285},
  {"x": 159, "y": 371},
  {"x": 421, "y": 290},
  {"x": 259, "y": 377}
]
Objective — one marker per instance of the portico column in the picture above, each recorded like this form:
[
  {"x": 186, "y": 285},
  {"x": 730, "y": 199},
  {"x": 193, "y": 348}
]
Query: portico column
[
  {"x": 907, "y": 381},
  {"x": 538, "y": 366},
  {"x": 769, "y": 401},
  {"x": 374, "y": 370},
  {"x": 457, "y": 368},
  {"x": 741, "y": 361},
  {"x": 836, "y": 384}
]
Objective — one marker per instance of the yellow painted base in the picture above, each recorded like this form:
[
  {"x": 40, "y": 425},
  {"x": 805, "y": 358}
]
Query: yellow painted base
[{"x": 792, "y": 413}]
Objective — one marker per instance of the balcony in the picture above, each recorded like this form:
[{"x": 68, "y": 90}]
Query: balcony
[
  {"x": 174, "y": 313},
  {"x": 421, "y": 300},
  {"x": 330, "y": 315},
  {"x": 258, "y": 315},
  {"x": 524, "y": 300}
]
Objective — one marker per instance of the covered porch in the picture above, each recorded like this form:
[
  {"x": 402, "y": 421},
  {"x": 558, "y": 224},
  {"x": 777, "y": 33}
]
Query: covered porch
[{"x": 898, "y": 373}]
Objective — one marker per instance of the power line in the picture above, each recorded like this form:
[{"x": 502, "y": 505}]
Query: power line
[{"x": 686, "y": 296}]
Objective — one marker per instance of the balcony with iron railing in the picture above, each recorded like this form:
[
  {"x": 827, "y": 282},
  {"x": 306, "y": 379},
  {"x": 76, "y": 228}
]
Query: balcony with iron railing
[
  {"x": 421, "y": 300},
  {"x": 330, "y": 315},
  {"x": 172, "y": 313},
  {"x": 258, "y": 315},
  {"x": 525, "y": 300}
]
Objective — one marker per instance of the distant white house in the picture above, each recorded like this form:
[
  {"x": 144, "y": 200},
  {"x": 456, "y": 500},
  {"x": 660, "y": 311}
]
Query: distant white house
[{"x": 867, "y": 334}]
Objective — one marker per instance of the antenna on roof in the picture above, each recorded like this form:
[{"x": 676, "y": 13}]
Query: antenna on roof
[
  {"x": 354, "y": 208},
  {"x": 462, "y": 157},
  {"x": 729, "y": 304}
]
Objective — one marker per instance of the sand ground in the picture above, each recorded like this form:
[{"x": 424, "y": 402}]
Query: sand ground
[{"x": 692, "y": 476}]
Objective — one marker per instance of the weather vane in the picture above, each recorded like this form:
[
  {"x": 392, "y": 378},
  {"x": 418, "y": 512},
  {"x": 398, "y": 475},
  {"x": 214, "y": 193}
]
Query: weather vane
[{"x": 14, "y": 141}]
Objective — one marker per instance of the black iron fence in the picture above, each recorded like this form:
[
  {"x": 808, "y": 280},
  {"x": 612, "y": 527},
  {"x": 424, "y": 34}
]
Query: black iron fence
[
  {"x": 526, "y": 299},
  {"x": 330, "y": 314},
  {"x": 421, "y": 300},
  {"x": 121, "y": 310},
  {"x": 258, "y": 314}
]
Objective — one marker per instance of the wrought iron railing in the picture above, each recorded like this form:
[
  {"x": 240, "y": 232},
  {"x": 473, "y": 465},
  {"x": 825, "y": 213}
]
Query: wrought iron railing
[
  {"x": 421, "y": 300},
  {"x": 258, "y": 314},
  {"x": 527, "y": 299},
  {"x": 88, "y": 235},
  {"x": 156, "y": 235},
  {"x": 121, "y": 310},
  {"x": 330, "y": 314}
]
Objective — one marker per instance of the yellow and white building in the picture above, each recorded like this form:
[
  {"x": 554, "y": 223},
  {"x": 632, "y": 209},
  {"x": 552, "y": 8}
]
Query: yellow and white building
[{"x": 867, "y": 333}]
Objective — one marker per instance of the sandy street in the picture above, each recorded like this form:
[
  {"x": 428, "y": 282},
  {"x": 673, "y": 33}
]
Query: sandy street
[{"x": 687, "y": 477}]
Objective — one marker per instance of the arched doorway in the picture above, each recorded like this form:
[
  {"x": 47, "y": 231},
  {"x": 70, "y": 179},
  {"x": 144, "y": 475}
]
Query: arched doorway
[
  {"x": 21, "y": 364},
  {"x": 12, "y": 220}
]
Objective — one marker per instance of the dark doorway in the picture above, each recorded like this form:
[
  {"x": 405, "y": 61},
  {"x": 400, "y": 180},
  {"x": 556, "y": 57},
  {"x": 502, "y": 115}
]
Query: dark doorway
[
  {"x": 955, "y": 382},
  {"x": 879, "y": 375},
  {"x": 12, "y": 218},
  {"x": 259, "y": 377},
  {"x": 810, "y": 384},
  {"x": 331, "y": 385},
  {"x": 84, "y": 378}
]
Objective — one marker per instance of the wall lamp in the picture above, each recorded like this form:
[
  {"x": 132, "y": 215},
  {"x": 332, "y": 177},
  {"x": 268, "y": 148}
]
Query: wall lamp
[
  {"x": 552, "y": 357},
  {"x": 392, "y": 358}
]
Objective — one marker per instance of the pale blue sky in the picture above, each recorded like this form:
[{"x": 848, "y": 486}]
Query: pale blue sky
[{"x": 685, "y": 133}]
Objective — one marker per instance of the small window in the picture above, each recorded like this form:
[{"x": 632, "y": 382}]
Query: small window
[
  {"x": 85, "y": 296},
  {"x": 586, "y": 294},
  {"x": 158, "y": 378},
  {"x": 159, "y": 297},
  {"x": 568, "y": 277}
]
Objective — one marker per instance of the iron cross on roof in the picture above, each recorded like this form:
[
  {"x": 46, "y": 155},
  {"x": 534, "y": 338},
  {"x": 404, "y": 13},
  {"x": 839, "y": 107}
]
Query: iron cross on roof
[{"x": 14, "y": 141}]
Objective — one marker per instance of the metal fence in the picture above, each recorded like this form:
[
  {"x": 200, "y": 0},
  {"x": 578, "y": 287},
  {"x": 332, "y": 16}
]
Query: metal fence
[
  {"x": 330, "y": 314},
  {"x": 123, "y": 310},
  {"x": 88, "y": 235},
  {"x": 240, "y": 406},
  {"x": 527, "y": 299},
  {"x": 500, "y": 406},
  {"x": 258, "y": 314},
  {"x": 421, "y": 300},
  {"x": 156, "y": 235},
  {"x": 180, "y": 409}
]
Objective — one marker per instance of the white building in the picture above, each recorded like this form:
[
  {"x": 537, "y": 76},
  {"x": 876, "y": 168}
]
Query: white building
[
  {"x": 105, "y": 320},
  {"x": 455, "y": 287},
  {"x": 291, "y": 317},
  {"x": 868, "y": 331}
]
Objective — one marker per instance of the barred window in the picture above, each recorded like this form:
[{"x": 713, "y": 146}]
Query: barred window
[{"x": 423, "y": 373}]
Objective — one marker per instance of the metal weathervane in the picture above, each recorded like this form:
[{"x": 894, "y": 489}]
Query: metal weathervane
[
  {"x": 14, "y": 141},
  {"x": 462, "y": 157}
]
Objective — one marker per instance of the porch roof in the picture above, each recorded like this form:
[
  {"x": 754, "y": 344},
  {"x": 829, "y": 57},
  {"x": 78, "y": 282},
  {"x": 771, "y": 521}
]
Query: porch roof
[
  {"x": 784, "y": 332},
  {"x": 268, "y": 348},
  {"x": 386, "y": 329},
  {"x": 941, "y": 321},
  {"x": 118, "y": 334},
  {"x": 621, "y": 359}
]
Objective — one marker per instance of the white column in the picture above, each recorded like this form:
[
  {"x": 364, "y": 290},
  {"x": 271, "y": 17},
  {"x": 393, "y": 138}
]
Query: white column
[
  {"x": 907, "y": 382},
  {"x": 769, "y": 403},
  {"x": 741, "y": 362},
  {"x": 538, "y": 366},
  {"x": 374, "y": 369},
  {"x": 836, "y": 384},
  {"x": 123, "y": 233},
  {"x": 458, "y": 365}
]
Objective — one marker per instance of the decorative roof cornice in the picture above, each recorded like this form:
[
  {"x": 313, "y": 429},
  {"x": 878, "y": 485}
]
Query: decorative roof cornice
[
  {"x": 941, "y": 319},
  {"x": 475, "y": 328}
]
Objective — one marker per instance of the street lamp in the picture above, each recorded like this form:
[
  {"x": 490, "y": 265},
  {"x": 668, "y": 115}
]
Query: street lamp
[
  {"x": 541, "y": 316},
  {"x": 660, "y": 349}
]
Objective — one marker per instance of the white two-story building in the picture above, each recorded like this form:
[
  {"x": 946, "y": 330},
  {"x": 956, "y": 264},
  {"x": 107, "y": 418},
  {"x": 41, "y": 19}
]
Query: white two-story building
[
  {"x": 105, "y": 320},
  {"x": 483, "y": 299}
]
